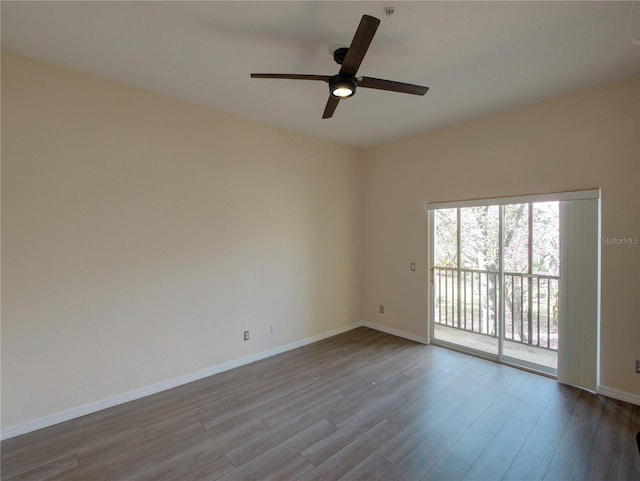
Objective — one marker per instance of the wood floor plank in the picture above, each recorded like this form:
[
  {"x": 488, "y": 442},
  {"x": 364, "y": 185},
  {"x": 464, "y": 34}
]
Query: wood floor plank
[
  {"x": 615, "y": 432},
  {"x": 120, "y": 467},
  {"x": 449, "y": 468},
  {"x": 268, "y": 460},
  {"x": 190, "y": 467},
  {"x": 17, "y": 458},
  {"x": 361, "y": 405},
  {"x": 569, "y": 461},
  {"x": 526, "y": 467},
  {"x": 352, "y": 454},
  {"x": 604, "y": 467},
  {"x": 255, "y": 399},
  {"x": 143, "y": 444},
  {"x": 371, "y": 468},
  {"x": 295, "y": 468},
  {"x": 547, "y": 432},
  {"x": 49, "y": 470},
  {"x": 274, "y": 436},
  {"x": 386, "y": 393},
  {"x": 211, "y": 443},
  {"x": 481, "y": 433},
  {"x": 419, "y": 420},
  {"x": 326, "y": 447},
  {"x": 499, "y": 454},
  {"x": 426, "y": 454},
  {"x": 633, "y": 464}
]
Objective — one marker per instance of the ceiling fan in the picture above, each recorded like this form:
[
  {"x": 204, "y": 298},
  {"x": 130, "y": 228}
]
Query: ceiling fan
[{"x": 343, "y": 85}]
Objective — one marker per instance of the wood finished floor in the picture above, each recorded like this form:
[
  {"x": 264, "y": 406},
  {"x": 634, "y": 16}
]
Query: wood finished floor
[{"x": 360, "y": 406}]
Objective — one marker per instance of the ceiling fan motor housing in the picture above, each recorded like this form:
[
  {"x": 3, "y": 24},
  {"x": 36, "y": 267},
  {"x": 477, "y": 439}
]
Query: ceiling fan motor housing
[
  {"x": 343, "y": 86},
  {"x": 339, "y": 54}
]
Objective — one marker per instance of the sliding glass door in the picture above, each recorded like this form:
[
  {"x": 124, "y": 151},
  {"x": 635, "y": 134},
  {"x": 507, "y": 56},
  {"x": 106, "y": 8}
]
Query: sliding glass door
[
  {"x": 531, "y": 257},
  {"x": 518, "y": 280},
  {"x": 465, "y": 277},
  {"x": 495, "y": 281}
]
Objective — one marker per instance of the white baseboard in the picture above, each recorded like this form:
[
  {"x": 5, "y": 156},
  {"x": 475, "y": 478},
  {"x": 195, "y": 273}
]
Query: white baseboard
[
  {"x": 83, "y": 410},
  {"x": 395, "y": 332},
  {"x": 619, "y": 395}
]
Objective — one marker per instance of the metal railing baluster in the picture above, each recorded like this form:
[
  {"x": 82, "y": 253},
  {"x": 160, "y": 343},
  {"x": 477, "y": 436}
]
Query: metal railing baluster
[
  {"x": 521, "y": 309},
  {"x": 439, "y": 296},
  {"x": 538, "y": 310},
  {"x": 446, "y": 298},
  {"x": 470, "y": 299},
  {"x": 487, "y": 316},
  {"x": 465, "y": 301},
  {"x": 513, "y": 321},
  {"x": 480, "y": 312},
  {"x": 495, "y": 304},
  {"x": 548, "y": 312},
  {"x": 472, "y": 290}
]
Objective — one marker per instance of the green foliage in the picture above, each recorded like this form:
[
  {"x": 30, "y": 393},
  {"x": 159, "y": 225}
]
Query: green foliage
[{"x": 479, "y": 232}]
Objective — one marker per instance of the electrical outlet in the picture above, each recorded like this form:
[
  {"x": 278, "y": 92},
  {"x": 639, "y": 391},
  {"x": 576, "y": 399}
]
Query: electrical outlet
[
  {"x": 638, "y": 366},
  {"x": 381, "y": 309},
  {"x": 246, "y": 335},
  {"x": 412, "y": 266},
  {"x": 274, "y": 329}
]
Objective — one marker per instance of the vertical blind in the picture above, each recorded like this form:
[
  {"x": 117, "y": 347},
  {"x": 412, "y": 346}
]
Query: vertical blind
[{"x": 579, "y": 306}]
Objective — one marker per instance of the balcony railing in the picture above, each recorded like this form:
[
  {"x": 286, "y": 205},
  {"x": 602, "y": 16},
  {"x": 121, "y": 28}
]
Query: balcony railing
[{"x": 469, "y": 299}]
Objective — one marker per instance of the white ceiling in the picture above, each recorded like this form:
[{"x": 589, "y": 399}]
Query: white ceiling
[{"x": 477, "y": 57}]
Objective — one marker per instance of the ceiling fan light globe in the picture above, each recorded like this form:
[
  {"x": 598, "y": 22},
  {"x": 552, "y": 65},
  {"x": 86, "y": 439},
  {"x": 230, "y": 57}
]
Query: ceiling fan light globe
[{"x": 342, "y": 92}]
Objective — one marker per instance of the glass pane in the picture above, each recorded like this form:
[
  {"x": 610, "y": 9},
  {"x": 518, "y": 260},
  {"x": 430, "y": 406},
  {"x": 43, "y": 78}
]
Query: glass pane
[
  {"x": 446, "y": 237},
  {"x": 516, "y": 238},
  {"x": 466, "y": 300},
  {"x": 546, "y": 238},
  {"x": 479, "y": 228},
  {"x": 530, "y": 332},
  {"x": 468, "y": 292}
]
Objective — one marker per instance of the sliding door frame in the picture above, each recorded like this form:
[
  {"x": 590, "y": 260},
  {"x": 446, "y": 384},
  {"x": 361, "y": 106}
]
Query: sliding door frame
[{"x": 500, "y": 202}]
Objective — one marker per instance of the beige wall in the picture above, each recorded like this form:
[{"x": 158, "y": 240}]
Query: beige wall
[
  {"x": 579, "y": 141},
  {"x": 141, "y": 236}
]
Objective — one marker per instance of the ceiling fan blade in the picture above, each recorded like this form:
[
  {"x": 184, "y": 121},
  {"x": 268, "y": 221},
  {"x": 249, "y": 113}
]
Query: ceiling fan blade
[
  {"x": 381, "y": 84},
  {"x": 324, "y": 78},
  {"x": 359, "y": 45},
  {"x": 332, "y": 103}
]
